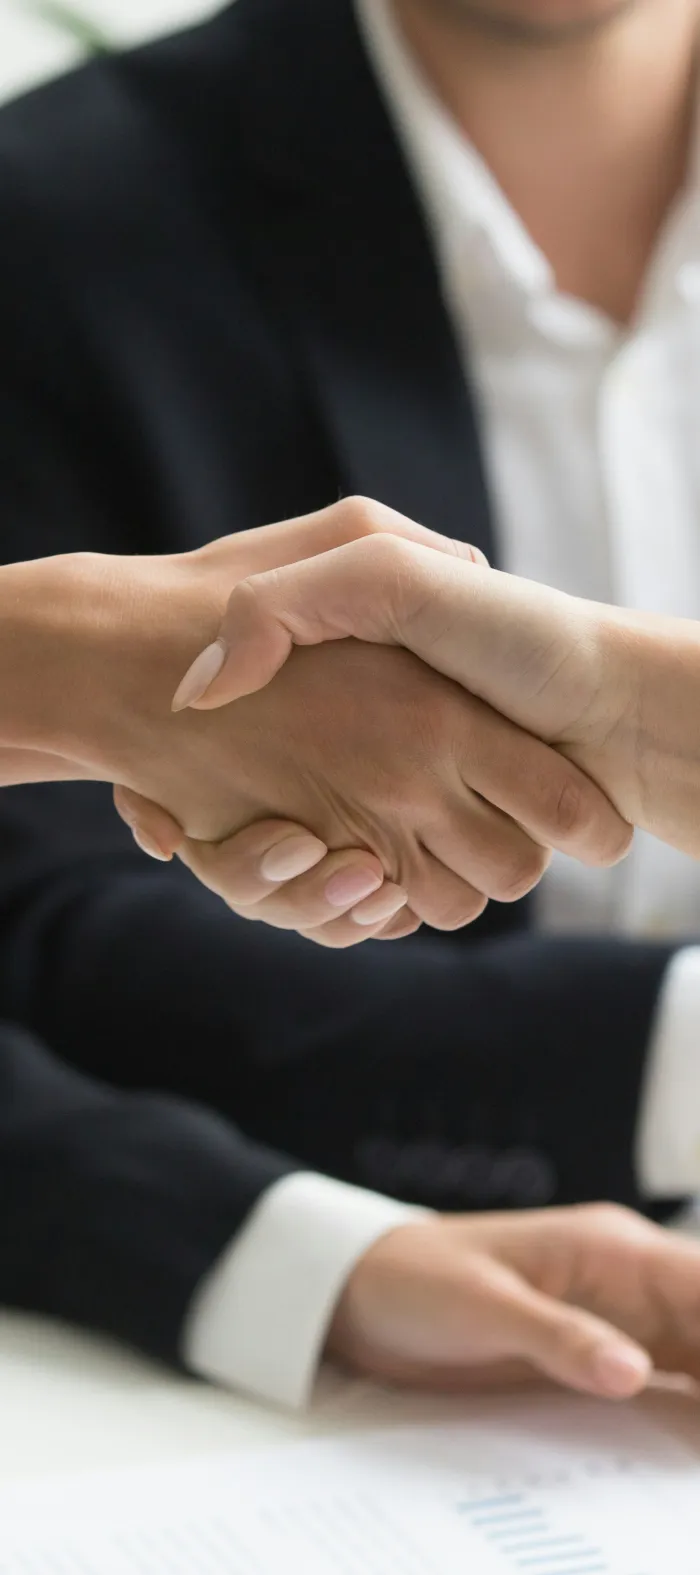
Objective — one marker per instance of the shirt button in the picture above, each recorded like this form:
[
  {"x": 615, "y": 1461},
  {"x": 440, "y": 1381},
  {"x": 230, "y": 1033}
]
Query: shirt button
[
  {"x": 424, "y": 1168},
  {"x": 468, "y": 1175},
  {"x": 526, "y": 1177}
]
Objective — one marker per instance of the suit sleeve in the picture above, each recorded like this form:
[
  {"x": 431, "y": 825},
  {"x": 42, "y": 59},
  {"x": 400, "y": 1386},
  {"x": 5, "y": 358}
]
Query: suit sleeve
[
  {"x": 461, "y": 1073},
  {"x": 114, "y": 1206},
  {"x": 458, "y": 1073}
]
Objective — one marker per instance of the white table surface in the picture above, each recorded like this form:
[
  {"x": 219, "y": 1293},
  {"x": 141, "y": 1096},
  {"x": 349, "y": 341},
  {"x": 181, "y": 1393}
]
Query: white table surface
[
  {"x": 71, "y": 1402},
  {"x": 68, "y": 1401}
]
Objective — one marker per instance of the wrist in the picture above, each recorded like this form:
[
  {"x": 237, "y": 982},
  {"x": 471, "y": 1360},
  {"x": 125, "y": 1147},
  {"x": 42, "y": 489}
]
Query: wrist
[
  {"x": 380, "y": 1312},
  {"x": 156, "y": 615},
  {"x": 665, "y": 735},
  {"x": 95, "y": 646},
  {"x": 606, "y": 739},
  {"x": 640, "y": 737},
  {"x": 46, "y": 611}
]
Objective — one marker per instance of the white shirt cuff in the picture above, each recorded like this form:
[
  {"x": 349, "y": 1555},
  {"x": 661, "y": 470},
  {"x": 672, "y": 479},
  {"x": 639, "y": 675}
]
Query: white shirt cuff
[
  {"x": 668, "y": 1137},
  {"x": 259, "y": 1319}
]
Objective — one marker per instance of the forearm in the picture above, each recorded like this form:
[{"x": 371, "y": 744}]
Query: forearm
[
  {"x": 114, "y": 1206},
  {"x": 90, "y": 646},
  {"x": 523, "y": 1032},
  {"x": 71, "y": 697},
  {"x": 44, "y": 615}
]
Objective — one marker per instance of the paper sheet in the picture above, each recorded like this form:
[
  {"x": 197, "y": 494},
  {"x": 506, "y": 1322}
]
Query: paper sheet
[{"x": 517, "y": 1487}]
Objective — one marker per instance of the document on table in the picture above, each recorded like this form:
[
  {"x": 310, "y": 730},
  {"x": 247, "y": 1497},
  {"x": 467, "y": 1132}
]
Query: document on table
[{"x": 544, "y": 1486}]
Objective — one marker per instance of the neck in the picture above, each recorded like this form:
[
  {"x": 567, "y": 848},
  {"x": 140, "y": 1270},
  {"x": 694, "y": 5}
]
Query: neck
[{"x": 588, "y": 134}]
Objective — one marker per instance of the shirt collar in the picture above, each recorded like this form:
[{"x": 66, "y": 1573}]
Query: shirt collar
[
  {"x": 475, "y": 229},
  {"x": 462, "y": 201}
]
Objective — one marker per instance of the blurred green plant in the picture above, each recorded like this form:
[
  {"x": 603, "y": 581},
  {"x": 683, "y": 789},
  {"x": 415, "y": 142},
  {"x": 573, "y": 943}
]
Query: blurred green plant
[{"x": 72, "y": 21}]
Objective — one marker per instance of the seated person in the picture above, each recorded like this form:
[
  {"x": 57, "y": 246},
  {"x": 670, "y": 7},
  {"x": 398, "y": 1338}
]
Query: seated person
[
  {"x": 219, "y": 308},
  {"x": 119, "y": 1210},
  {"x": 151, "y": 1218}
]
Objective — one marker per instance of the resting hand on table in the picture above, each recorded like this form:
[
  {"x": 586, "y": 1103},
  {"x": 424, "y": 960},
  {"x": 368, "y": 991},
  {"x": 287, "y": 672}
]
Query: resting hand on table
[{"x": 591, "y": 1297}]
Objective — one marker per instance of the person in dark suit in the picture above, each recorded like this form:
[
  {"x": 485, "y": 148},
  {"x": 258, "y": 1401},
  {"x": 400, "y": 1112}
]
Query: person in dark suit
[{"x": 224, "y": 303}]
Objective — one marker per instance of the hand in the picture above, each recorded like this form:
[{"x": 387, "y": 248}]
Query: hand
[
  {"x": 591, "y": 1297},
  {"x": 483, "y": 845},
  {"x": 544, "y": 801},
  {"x": 364, "y": 747},
  {"x": 614, "y": 690},
  {"x": 401, "y": 777},
  {"x": 279, "y": 873},
  {"x": 253, "y": 870},
  {"x": 276, "y": 871}
]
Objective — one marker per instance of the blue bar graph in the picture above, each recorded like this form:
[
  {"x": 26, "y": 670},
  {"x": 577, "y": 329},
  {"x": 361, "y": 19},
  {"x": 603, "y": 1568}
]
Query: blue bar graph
[{"x": 520, "y": 1529}]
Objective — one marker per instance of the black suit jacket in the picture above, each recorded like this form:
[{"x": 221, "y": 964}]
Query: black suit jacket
[{"x": 219, "y": 307}]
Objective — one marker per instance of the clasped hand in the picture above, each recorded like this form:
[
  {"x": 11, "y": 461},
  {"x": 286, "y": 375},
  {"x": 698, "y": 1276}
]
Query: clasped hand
[{"x": 360, "y": 792}]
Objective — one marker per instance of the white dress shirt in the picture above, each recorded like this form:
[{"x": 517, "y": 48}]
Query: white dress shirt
[{"x": 592, "y": 448}]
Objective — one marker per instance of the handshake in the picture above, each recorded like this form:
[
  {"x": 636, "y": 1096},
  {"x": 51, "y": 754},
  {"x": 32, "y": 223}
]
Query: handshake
[{"x": 413, "y": 732}]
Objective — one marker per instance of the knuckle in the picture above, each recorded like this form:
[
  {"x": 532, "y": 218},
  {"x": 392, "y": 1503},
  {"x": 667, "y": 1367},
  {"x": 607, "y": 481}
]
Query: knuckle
[
  {"x": 454, "y": 913},
  {"x": 362, "y": 516},
  {"x": 578, "y": 814},
  {"x": 332, "y": 940},
  {"x": 574, "y": 1341},
  {"x": 390, "y": 556},
  {"x": 608, "y": 835},
  {"x": 564, "y": 799},
  {"x": 571, "y": 808},
  {"x": 520, "y": 871},
  {"x": 617, "y": 844},
  {"x": 610, "y": 1218}
]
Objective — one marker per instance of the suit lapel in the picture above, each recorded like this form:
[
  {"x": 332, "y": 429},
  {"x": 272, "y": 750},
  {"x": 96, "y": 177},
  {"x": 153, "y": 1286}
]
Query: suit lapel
[{"x": 343, "y": 243}]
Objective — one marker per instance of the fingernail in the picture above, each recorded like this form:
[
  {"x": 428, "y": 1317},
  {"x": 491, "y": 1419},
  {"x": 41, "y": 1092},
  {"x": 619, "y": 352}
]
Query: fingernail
[
  {"x": 200, "y": 676},
  {"x": 379, "y": 909},
  {"x": 350, "y": 886},
  {"x": 620, "y": 1370},
  {"x": 400, "y": 926},
  {"x": 292, "y": 857},
  {"x": 464, "y": 549},
  {"x": 150, "y": 846},
  {"x": 123, "y": 807}
]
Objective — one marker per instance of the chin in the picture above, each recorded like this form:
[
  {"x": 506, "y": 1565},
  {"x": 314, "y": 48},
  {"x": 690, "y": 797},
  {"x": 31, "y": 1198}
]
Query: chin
[{"x": 535, "y": 19}]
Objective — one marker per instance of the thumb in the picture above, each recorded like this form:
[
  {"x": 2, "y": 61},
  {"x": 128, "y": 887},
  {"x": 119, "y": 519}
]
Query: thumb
[
  {"x": 573, "y": 1347},
  {"x": 372, "y": 590}
]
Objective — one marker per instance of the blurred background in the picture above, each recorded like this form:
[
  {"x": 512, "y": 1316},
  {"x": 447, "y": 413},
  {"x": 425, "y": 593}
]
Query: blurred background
[{"x": 39, "y": 38}]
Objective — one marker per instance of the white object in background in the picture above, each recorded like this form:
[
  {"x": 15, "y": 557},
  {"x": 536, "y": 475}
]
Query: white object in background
[
  {"x": 32, "y": 50},
  {"x": 554, "y": 1486},
  {"x": 29, "y": 50},
  {"x": 131, "y": 20}
]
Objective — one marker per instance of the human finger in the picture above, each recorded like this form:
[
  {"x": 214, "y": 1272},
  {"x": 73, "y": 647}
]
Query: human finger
[
  {"x": 545, "y": 795},
  {"x": 340, "y": 901},
  {"x": 350, "y": 881},
  {"x": 154, "y": 830},
  {"x": 369, "y": 589},
  {"x": 339, "y": 934},
  {"x": 350, "y": 519},
  {"x": 568, "y": 1344}
]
